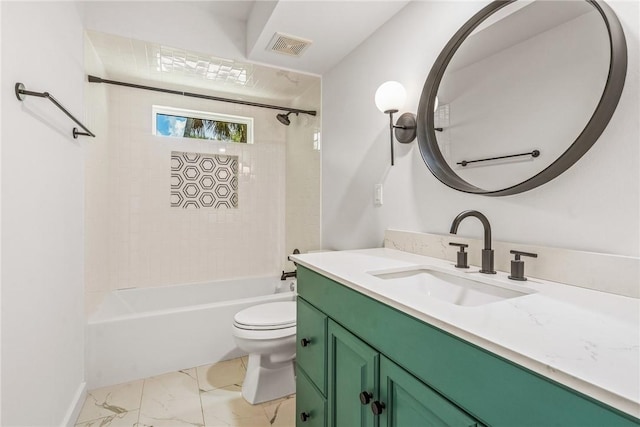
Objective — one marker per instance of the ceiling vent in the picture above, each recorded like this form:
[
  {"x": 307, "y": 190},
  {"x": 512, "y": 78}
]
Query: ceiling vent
[{"x": 288, "y": 45}]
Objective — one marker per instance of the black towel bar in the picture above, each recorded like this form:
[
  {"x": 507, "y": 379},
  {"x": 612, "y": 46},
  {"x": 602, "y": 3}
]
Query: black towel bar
[
  {"x": 21, "y": 92},
  {"x": 534, "y": 153}
]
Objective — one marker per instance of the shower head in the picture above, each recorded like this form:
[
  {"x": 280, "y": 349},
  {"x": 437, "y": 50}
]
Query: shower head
[{"x": 284, "y": 118}]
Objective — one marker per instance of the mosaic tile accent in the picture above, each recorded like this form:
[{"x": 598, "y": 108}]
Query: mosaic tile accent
[{"x": 203, "y": 181}]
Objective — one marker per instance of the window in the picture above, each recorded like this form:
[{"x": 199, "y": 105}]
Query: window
[{"x": 181, "y": 123}]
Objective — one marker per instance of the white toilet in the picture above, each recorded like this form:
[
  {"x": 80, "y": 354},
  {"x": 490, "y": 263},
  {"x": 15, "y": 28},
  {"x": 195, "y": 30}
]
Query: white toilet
[{"x": 268, "y": 333}]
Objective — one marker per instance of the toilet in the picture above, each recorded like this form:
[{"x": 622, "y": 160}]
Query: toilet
[{"x": 268, "y": 333}]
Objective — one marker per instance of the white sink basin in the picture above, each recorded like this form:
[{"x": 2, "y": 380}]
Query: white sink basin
[{"x": 451, "y": 287}]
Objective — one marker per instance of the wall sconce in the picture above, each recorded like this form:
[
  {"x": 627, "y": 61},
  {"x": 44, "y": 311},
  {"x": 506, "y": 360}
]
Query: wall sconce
[{"x": 390, "y": 98}]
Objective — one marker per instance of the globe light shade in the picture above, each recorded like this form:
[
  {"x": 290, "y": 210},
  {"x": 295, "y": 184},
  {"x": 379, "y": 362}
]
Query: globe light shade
[{"x": 390, "y": 96}]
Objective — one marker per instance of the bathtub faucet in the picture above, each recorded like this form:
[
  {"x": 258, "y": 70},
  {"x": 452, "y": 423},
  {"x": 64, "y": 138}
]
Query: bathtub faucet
[{"x": 285, "y": 276}]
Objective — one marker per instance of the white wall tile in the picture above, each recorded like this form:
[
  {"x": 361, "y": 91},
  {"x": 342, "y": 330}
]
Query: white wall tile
[
  {"x": 303, "y": 179},
  {"x": 151, "y": 244}
]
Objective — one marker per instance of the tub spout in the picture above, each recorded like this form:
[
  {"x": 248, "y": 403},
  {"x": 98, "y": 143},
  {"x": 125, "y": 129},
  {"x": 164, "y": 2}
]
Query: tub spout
[{"x": 285, "y": 276}]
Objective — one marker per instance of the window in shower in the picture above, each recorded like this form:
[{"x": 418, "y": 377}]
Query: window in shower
[{"x": 181, "y": 123}]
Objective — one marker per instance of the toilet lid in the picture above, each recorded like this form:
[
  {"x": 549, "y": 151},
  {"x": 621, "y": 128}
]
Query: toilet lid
[{"x": 273, "y": 315}]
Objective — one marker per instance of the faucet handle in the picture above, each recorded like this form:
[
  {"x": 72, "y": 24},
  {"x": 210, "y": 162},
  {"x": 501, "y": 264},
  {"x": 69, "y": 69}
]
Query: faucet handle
[
  {"x": 517, "y": 265},
  {"x": 461, "y": 245},
  {"x": 461, "y": 260},
  {"x": 520, "y": 253}
]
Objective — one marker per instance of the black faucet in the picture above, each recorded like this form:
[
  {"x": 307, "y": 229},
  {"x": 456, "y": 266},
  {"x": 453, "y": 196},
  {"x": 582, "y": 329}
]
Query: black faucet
[
  {"x": 487, "y": 252},
  {"x": 285, "y": 276}
]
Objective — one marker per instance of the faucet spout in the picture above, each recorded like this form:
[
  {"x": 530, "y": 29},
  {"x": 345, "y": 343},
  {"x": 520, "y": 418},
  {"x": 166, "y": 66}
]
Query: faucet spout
[
  {"x": 487, "y": 252},
  {"x": 481, "y": 217},
  {"x": 285, "y": 276}
]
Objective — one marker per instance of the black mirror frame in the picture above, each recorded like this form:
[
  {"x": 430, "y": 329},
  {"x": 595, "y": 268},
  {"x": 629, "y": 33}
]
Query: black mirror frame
[{"x": 604, "y": 111}]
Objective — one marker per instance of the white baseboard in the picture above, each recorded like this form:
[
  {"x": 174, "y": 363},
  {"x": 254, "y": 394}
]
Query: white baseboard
[{"x": 75, "y": 407}]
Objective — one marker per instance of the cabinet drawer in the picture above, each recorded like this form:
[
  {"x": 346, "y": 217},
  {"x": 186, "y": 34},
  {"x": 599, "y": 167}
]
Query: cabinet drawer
[
  {"x": 311, "y": 353},
  {"x": 311, "y": 407}
]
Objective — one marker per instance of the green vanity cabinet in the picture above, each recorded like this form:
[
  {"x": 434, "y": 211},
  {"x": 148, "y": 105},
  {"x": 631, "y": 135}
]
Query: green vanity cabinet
[
  {"x": 408, "y": 402},
  {"x": 353, "y": 375},
  {"x": 360, "y": 379},
  {"x": 418, "y": 374},
  {"x": 311, "y": 406},
  {"x": 311, "y": 353},
  {"x": 311, "y": 365}
]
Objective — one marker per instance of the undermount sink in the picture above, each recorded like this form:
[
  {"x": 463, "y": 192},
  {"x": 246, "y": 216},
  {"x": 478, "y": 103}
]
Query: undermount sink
[{"x": 417, "y": 282}]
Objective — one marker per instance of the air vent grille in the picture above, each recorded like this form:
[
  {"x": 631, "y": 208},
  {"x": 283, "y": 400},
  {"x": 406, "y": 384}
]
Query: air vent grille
[{"x": 288, "y": 45}]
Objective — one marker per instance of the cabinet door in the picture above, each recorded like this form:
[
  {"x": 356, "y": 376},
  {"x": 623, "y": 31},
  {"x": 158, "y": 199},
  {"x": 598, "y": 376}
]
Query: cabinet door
[
  {"x": 310, "y": 405},
  {"x": 409, "y": 403},
  {"x": 353, "y": 368},
  {"x": 311, "y": 346}
]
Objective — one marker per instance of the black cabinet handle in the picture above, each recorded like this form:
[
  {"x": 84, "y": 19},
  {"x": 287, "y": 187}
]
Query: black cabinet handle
[
  {"x": 304, "y": 416},
  {"x": 365, "y": 397},
  {"x": 377, "y": 407},
  {"x": 305, "y": 342}
]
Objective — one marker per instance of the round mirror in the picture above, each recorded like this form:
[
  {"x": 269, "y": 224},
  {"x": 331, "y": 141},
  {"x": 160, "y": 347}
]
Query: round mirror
[{"x": 520, "y": 93}]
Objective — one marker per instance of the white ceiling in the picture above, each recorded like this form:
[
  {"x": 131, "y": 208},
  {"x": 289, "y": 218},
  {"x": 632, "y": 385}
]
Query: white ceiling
[
  {"x": 233, "y": 32},
  {"x": 334, "y": 27},
  {"x": 236, "y": 9}
]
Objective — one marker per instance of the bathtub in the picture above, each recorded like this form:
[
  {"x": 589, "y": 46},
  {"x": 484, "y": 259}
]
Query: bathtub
[{"x": 141, "y": 332}]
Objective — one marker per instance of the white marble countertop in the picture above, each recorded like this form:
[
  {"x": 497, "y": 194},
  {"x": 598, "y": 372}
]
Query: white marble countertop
[{"x": 584, "y": 339}]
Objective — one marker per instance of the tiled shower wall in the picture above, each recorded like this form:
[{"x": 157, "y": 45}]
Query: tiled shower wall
[
  {"x": 136, "y": 239},
  {"x": 303, "y": 178}
]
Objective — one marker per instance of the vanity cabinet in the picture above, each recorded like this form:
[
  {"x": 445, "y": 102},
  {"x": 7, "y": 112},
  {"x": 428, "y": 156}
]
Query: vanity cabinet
[
  {"x": 352, "y": 378},
  {"x": 310, "y": 403},
  {"x": 364, "y": 385},
  {"x": 311, "y": 365},
  {"x": 349, "y": 343},
  {"x": 409, "y": 402}
]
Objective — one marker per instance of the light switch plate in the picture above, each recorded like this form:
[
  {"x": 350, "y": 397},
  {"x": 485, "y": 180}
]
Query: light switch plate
[{"x": 377, "y": 195}]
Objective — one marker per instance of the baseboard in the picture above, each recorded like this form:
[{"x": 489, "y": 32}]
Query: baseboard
[{"x": 75, "y": 407}]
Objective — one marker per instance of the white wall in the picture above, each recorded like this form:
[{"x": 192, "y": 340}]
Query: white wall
[
  {"x": 42, "y": 215},
  {"x": 593, "y": 206}
]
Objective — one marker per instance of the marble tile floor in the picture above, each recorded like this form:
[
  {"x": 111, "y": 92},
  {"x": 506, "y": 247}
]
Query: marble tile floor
[{"x": 204, "y": 396}]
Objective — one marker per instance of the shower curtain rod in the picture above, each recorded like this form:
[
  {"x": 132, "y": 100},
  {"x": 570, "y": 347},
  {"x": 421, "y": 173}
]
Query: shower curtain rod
[{"x": 94, "y": 79}]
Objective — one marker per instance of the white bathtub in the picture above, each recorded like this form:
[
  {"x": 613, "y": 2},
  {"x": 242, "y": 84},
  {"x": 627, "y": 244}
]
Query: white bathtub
[{"x": 141, "y": 332}]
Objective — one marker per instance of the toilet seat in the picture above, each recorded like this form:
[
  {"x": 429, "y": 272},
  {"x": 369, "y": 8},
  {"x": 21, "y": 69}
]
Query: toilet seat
[
  {"x": 263, "y": 334},
  {"x": 267, "y": 317}
]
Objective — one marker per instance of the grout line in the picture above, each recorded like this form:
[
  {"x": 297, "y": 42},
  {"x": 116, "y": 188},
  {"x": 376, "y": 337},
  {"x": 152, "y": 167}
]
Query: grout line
[
  {"x": 204, "y": 422},
  {"x": 144, "y": 382}
]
